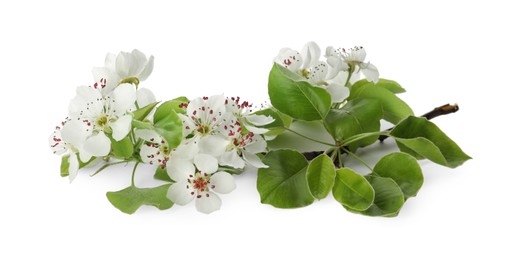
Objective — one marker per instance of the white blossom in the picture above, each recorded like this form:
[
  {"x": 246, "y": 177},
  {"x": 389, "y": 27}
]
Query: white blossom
[
  {"x": 342, "y": 59},
  {"x": 101, "y": 116},
  {"x": 198, "y": 180}
]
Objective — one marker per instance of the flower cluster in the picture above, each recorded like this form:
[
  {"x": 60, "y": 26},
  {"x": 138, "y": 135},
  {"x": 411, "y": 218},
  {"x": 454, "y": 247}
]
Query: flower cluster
[
  {"x": 341, "y": 66},
  {"x": 323, "y": 109},
  {"x": 101, "y": 112},
  {"x": 190, "y": 140}
]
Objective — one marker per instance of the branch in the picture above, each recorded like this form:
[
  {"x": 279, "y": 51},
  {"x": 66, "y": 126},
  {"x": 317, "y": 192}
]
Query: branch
[{"x": 438, "y": 111}]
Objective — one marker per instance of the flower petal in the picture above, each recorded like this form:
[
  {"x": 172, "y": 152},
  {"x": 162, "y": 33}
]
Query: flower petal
[
  {"x": 105, "y": 79},
  {"x": 206, "y": 163},
  {"x": 214, "y": 145},
  {"x": 318, "y": 74},
  {"x": 336, "y": 65},
  {"x": 179, "y": 169},
  {"x": 98, "y": 145},
  {"x": 310, "y": 55},
  {"x": 84, "y": 156},
  {"x": 256, "y": 130},
  {"x": 180, "y": 193},
  {"x": 148, "y": 68},
  {"x": 223, "y": 182},
  {"x": 148, "y": 135},
  {"x": 124, "y": 97},
  {"x": 289, "y": 58},
  {"x": 259, "y": 120},
  {"x": 145, "y": 97},
  {"x": 121, "y": 127},
  {"x": 232, "y": 159},
  {"x": 56, "y": 143},
  {"x": 253, "y": 160},
  {"x": 150, "y": 153},
  {"x": 338, "y": 92},
  {"x": 257, "y": 146},
  {"x": 125, "y": 65},
  {"x": 370, "y": 71},
  {"x": 110, "y": 62},
  {"x": 188, "y": 124},
  {"x": 187, "y": 150},
  {"x": 208, "y": 202},
  {"x": 73, "y": 167},
  {"x": 75, "y": 132}
]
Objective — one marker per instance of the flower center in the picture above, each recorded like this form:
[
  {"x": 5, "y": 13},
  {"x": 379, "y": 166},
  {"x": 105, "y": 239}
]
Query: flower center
[
  {"x": 200, "y": 183},
  {"x": 203, "y": 129},
  {"x": 102, "y": 122}
]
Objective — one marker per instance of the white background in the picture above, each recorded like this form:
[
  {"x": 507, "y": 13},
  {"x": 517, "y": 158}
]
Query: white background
[{"x": 440, "y": 51}]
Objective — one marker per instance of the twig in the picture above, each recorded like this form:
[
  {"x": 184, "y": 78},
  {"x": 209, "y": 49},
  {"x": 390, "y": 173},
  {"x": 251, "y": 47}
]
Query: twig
[{"x": 438, "y": 111}]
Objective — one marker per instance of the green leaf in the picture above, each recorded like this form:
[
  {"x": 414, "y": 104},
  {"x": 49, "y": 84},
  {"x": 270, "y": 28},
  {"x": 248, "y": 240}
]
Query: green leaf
[
  {"x": 352, "y": 190},
  {"x": 418, "y": 136},
  {"x": 321, "y": 176},
  {"x": 387, "y": 84},
  {"x": 64, "y": 165},
  {"x": 388, "y": 199},
  {"x": 403, "y": 169},
  {"x": 170, "y": 127},
  {"x": 290, "y": 94},
  {"x": 394, "y": 109},
  {"x": 313, "y": 129},
  {"x": 356, "y": 117},
  {"x": 168, "y": 106},
  {"x": 161, "y": 174},
  {"x": 131, "y": 198},
  {"x": 142, "y": 113},
  {"x": 122, "y": 149},
  {"x": 283, "y": 184},
  {"x": 141, "y": 125}
]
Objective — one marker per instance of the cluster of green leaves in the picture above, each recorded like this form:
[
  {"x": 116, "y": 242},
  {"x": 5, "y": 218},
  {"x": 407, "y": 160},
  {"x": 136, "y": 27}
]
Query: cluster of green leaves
[{"x": 307, "y": 121}]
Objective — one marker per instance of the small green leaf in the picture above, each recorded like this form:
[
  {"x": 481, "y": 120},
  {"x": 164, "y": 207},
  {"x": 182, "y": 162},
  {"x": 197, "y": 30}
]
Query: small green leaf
[
  {"x": 420, "y": 137},
  {"x": 290, "y": 94},
  {"x": 394, "y": 109},
  {"x": 283, "y": 184},
  {"x": 65, "y": 165},
  {"x": 387, "y": 84},
  {"x": 352, "y": 190},
  {"x": 141, "y": 125},
  {"x": 356, "y": 117},
  {"x": 122, "y": 149},
  {"x": 403, "y": 169},
  {"x": 161, "y": 174},
  {"x": 168, "y": 106},
  {"x": 142, "y": 113},
  {"x": 132, "y": 198},
  {"x": 321, "y": 176},
  {"x": 388, "y": 199},
  {"x": 170, "y": 127}
]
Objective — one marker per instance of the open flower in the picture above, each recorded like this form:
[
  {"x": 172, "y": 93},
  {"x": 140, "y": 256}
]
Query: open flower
[
  {"x": 341, "y": 59},
  {"x": 156, "y": 151},
  {"x": 203, "y": 120},
  {"x": 102, "y": 116},
  {"x": 60, "y": 147},
  {"x": 243, "y": 149},
  {"x": 316, "y": 72},
  {"x": 129, "y": 67},
  {"x": 198, "y": 181},
  {"x": 242, "y": 114}
]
